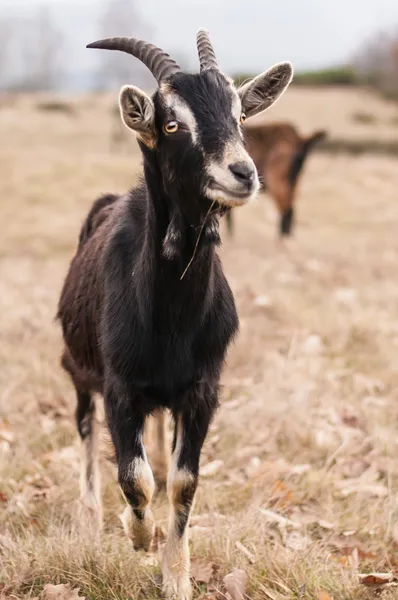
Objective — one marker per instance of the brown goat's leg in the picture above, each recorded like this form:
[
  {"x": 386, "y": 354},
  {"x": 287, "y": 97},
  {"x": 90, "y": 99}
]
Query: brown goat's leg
[
  {"x": 156, "y": 442},
  {"x": 90, "y": 491},
  {"x": 190, "y": 432}
]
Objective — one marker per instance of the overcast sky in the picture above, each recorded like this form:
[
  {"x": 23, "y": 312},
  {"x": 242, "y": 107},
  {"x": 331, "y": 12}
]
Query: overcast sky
[{"x": 247, "y": 34}]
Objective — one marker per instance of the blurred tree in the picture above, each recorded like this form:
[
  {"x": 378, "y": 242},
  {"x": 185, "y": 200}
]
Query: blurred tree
[
  {"x": 121, "y": 18},
  {"x": 376, "y": 63},
  {"x": 44, "y": 57},
  {"x": 34, "y": 55},
  {"x": 6, "y": 37}
]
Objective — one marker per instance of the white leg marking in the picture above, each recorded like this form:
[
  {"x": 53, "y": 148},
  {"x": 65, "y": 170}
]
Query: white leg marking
[
  {"x": 176, "y": 558},
  {"x": 90, "y": 488},
  {"x": 138, "y": 522}
]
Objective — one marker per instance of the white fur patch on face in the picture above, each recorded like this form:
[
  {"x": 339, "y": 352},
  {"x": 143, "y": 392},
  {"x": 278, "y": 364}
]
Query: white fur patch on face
[
  {"x": 225, "y": 189},
  {"x": 236, "y": 105},
  {"x": 182, "y": 112}
]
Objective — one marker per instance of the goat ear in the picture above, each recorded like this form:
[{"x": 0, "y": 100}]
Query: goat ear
[
  {"x": 138, "y": 113},
  {"x": 262, "y": 91}
]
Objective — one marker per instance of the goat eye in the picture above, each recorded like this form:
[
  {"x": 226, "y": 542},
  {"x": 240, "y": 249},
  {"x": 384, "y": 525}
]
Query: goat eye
[
  {"x": 170, "y": 127},
  {"x": 242, "y": 118}
]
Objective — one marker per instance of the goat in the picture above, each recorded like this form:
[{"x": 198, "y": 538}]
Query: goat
[
  {"x": 140, "y": 327},
  {"x": 279, "y": 153}
]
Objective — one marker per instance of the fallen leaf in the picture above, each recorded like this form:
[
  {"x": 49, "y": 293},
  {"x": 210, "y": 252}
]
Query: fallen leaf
[
  {"x": 211, "y": 468},
  {"x": 350, "y": 419},
  {"x": 281, "y": 494},
  {"x": 203, "y": 571},
  {"x": 3, "y": 497},
  {"x": 236, "y": 583},
  {"x": 63, "y": 591},
  {"x": 250, "y": 556},
  {"x": 375, "y": 578}
]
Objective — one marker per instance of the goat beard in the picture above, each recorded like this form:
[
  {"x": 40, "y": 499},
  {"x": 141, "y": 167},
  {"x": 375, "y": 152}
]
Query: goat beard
[{"x": 175, "y": 238}]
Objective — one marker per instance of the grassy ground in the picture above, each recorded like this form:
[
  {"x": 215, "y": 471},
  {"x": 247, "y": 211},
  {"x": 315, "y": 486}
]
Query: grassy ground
[{"x": 305, "y": 498}]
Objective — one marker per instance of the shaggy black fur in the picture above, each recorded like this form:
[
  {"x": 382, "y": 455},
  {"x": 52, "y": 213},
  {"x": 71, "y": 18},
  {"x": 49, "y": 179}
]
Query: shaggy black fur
[{"x": 134, "y": 330}]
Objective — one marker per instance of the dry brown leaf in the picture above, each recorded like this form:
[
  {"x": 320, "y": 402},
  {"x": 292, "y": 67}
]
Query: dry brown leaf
[
  {"x": 350, "y": 419},
  {"x": 322, "y": 595},
  {"x": 236, "y": 583},
  {"x": 375, "y": 578},
  {"x": 63, "y": 591},
  {"x": 281, "y": 494},
  {"x": 203, "y": 571}
]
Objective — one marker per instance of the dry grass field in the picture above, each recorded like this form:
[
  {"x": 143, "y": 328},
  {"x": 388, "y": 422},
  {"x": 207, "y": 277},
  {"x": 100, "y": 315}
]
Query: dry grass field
[{"x": 299, "y": 483}]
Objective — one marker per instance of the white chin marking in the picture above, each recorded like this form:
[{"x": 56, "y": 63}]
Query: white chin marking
[{"x": 225, "y": 200}]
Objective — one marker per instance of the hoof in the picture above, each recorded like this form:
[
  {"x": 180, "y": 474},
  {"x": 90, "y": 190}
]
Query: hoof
[
  {"x": 177, "y": 588},
  {"x": 139, "y": 531}
]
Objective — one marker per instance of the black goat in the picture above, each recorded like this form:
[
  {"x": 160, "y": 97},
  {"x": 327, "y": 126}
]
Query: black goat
[{"x": 139, "y": 326}]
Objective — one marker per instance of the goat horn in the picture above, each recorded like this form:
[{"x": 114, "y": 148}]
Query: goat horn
[
  {"x": 160, "y": 64},
  {"x": 207, "y": 56}
]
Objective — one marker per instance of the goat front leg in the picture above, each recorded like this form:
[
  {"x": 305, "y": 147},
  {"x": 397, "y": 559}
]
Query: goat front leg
[
  {"x": 191, "y": 428},
  {"x": 134, "y": 473}
]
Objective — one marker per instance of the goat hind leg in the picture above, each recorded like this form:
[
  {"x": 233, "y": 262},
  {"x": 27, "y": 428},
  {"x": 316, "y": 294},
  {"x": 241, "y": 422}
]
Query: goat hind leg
[
  {"x": 156, "y": 441},
  {"x": 90, "y": 492}
]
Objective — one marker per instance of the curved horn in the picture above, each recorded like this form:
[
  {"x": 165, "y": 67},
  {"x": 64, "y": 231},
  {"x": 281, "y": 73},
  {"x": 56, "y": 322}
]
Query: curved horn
[
  {"x": 207, "y": 57},
  {"x": 158, "y": 62}
]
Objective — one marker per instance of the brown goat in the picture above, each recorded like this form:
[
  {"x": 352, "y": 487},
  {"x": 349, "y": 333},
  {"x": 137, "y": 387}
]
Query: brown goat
[{"x": 279, "y": 152}]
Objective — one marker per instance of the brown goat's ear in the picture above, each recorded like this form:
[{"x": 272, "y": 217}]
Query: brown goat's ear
[
  {"x": 138, "y": 113},
  {"x": 262, "y": 91}
]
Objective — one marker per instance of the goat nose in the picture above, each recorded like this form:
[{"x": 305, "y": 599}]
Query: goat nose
[{"x": 243, "y": 172}]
